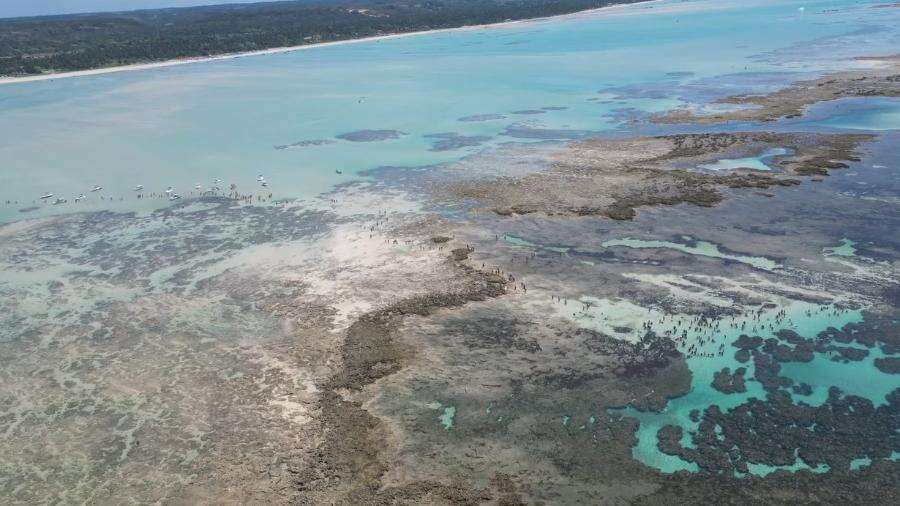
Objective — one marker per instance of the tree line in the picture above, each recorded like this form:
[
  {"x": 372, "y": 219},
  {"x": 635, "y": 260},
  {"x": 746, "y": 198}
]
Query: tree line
[{"x": 85, "y": 41}]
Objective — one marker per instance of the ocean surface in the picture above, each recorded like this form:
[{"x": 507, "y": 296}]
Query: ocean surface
[{"x": 405, "y": 102}]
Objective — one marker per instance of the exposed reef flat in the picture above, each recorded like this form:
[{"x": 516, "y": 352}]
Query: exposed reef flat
[
  {"x": 262, "y": 329},
  {"x": 365, "y": 350},
  {"x": 881, "y": 80},
  {"x": 613, "y": 178}
]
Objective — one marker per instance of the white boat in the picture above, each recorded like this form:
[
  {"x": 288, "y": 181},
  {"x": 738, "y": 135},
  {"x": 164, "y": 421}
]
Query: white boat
[
  {"x": 96, "y": 188},
  {"x": 81, "y": 196},
  {"x": 46, "y": 195},
  {"x": 169, "y": 190},
  {"x": 59, "y": 201},
  {"x": 260, "y": 178},
  {"x": 264, "y": 184},
  {"x": 217, "y": 181},
  {"x": 174, "y": 196},
  {"x": 198, "y": 186},
  {"x": 138, "y": 187}
]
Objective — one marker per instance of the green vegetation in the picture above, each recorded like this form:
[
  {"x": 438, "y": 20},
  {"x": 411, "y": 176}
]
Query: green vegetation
[{"x": 85, "y": 41}]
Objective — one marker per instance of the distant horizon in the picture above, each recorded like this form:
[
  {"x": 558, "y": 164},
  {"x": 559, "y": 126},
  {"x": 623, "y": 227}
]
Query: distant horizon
[{"x": 33, "y": 8}]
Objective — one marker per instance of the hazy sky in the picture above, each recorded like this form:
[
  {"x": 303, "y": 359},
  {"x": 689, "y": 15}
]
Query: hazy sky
[{"x": 15, "y": 8}]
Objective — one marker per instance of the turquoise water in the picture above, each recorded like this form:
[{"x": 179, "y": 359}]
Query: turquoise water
[
  {"x": 691, "y": 247},
  {"x": 447, "y": 417},
  {"x": 860, "y": 378},
  {"x": 701, "y": 248},
  {"x": 759, "y": 162},
  {"x": 856, "y": 378},
  {"x": 763, "y": 469},
  {"x": 188, "y": 125},
  {"x": 845, "y": 249},
  {"x": 519, "y": 241}
]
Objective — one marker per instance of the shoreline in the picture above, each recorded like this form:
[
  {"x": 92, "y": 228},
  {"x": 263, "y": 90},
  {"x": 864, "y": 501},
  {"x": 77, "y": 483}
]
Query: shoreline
[{"x": 291, "y": 49}]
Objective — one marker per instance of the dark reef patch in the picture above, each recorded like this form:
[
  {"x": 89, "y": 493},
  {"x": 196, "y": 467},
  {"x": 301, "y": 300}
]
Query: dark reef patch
[
  {"x": 370, "y": 351},
  {"x": 371, "y": 135},
  {"x": 502, "y": 333},
  {"x": 481, "y": 117},
  {"x": 745, "y": 342},
  {"x": 302, "y": 144},
  {"x": 450, "y": 141},
  {"x": 520, "y": 131},
  {"x": 888, "y": 365},
  {"x": 730, "y": 383},
  {"x": 350, "y": 460},
  {"x": 642, "y": 358}
]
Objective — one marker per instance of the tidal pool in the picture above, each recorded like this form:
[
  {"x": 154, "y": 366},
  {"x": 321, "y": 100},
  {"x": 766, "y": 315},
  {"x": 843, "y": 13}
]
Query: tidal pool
[
  {"x": 759, "y": 162},
  {"x": 845, "y": 249},
  {"x": 519, "y": 241},
  {"x": 447, "y": 417},
  {"x": 695, "y": 247}
]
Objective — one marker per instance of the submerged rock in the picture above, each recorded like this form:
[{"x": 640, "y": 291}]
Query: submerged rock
[
  {"x": 371, "y": 135},
  {"x": 745, "y": 342},
  {"x": 890, "y": 365},
  {"x": 727, "y": 383}
]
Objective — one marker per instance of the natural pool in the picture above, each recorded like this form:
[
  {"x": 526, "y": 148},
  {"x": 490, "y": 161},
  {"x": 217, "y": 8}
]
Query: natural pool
[
  {"x": 859, "y": 378},
  {"x": 692, "y": 247},
  {"x": 844, "y": 249},
  {"x": 689, "y": 246},
  {"x": 759, "y": 162}
]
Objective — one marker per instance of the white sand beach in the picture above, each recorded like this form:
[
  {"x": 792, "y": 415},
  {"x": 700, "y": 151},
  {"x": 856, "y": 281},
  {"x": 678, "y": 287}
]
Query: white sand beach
[{"x": 290, "y": 49}]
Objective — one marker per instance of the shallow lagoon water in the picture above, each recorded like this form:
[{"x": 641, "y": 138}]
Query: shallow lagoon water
[
  {"x": 874, "y": 114},
  {"x": 184, "y": 125}
]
